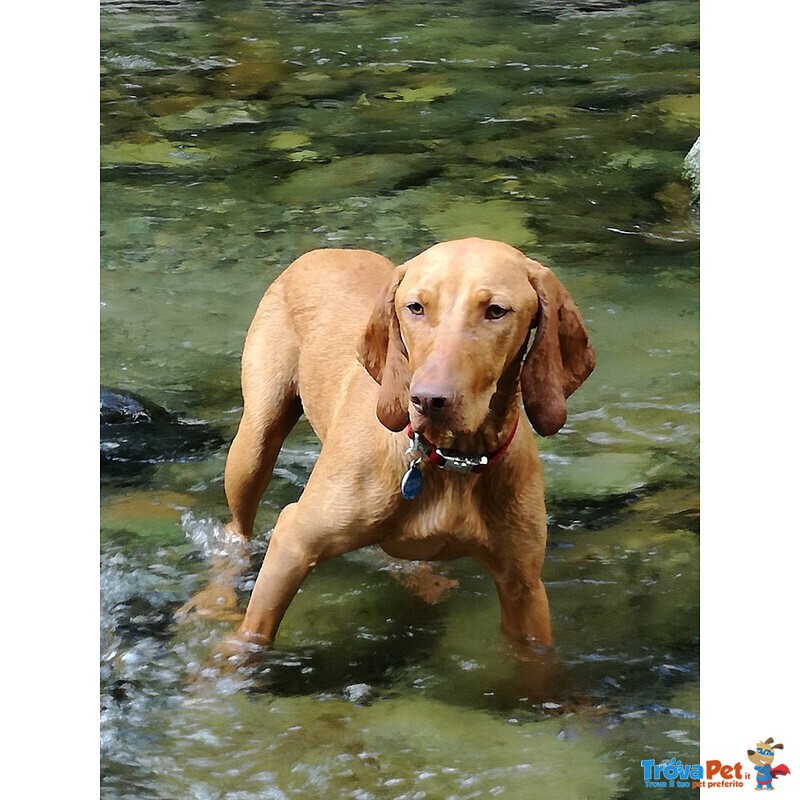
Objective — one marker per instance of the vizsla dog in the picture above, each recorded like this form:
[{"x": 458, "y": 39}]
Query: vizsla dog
[{"x": 414, "y": 379}]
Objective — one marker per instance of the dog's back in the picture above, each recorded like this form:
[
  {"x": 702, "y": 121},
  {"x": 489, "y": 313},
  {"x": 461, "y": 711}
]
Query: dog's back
[{"x": 304, "y": 335}]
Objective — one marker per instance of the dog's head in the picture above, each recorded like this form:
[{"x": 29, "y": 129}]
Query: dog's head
[
  {"x": 465, "y": 323},
  {"x": 764, "y": 753}
]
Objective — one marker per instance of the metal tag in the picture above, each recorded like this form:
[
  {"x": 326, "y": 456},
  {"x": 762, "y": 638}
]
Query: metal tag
[{"x": 411, "y": 483}]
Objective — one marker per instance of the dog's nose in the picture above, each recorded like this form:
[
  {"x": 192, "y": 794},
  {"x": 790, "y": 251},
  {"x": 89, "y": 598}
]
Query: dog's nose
[{"x": 430, "y": 401}]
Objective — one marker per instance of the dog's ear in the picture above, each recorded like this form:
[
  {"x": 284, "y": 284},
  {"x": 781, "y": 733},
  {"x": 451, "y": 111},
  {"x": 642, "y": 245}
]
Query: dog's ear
[
  {"x": 561, "y": 358},
  {"x": 383, "y": 355}
]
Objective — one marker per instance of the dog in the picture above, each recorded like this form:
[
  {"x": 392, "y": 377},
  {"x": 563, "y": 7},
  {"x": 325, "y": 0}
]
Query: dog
[{"x": 414, "y": 378}]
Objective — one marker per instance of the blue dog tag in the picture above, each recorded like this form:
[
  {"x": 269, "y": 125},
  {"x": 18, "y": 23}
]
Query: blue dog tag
[{"x": 411, "y": 484}]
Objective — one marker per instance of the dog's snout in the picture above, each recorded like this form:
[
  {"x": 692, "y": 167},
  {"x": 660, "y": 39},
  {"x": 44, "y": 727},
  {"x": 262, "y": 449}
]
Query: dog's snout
[{"x": 430, "y": 401}]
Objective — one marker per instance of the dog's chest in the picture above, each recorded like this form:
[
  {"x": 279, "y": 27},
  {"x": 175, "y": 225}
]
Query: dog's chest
[{"x": 445, "y": 512}]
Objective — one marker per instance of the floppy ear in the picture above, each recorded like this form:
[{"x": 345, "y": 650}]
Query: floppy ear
[
  {"x": 561, "y": 358},
  {"x": 383, "y": 355}
]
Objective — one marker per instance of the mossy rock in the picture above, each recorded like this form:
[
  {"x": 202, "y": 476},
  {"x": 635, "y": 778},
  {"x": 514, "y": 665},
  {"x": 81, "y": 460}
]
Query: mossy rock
[
  {"x": 504, "y": 220},
  {"x": 344, "y": 600},
  {"x": 542, "y": 116},
  {"x": 214, "y": 115},
  {"x": 676, "y": 198},
  {"x": 159, "y": 153},
  {"x": 252, "y": 78},
  {"x": 679, "y": 111},
  {"x": 599, "y": 475},
  {"x": 395, "y": 747},
  {"x": 299, "y": 156},
  {"x": 419, "y": 94},
  {"x": 288, "y": 140},
  {"x": 175, "y": 104},
  {"x": 317, "y": 85},
  {"x": 152, "y": 516},
  {"x": 355, "y": 175},
  {"x": 517, "y": 148}
]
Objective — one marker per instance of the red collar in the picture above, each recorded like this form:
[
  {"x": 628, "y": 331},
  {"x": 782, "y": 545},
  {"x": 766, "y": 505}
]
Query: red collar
[{"x": 458, "y": 462}]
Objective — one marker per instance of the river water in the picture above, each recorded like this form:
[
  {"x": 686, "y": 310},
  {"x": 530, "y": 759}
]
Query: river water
[{"x": 238, "y": 135}]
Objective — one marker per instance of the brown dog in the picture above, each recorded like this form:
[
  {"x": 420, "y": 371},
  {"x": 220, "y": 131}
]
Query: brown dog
[{"x": 443, "y": 348}]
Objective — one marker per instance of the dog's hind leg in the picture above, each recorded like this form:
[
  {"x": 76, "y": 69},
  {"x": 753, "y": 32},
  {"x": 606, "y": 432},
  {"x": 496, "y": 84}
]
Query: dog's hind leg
[{"x": 271, "y": 409}]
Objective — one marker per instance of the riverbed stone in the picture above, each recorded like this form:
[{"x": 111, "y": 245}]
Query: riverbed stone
[
  {"x": 394, "y": 747},
  {"x": 352, "y": 175},
  {"x": 289, "y": 140},
  {"x": 213, "y": 114},
  {"x": 252, "y": 78},
  {"x": 678, "y": 112},
  {"x": 136, "y": 433},
  {"x": 501, "y": 219},
  {"x": 427, "y": 93},
  {"x": 150, "y": 515},
  {"x": 158, "y": 153},
  {"x": 598, "y": 475}
]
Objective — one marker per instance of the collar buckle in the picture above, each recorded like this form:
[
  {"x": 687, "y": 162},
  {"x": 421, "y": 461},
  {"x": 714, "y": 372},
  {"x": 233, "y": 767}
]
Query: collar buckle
[{"x": 461, "y": 463}]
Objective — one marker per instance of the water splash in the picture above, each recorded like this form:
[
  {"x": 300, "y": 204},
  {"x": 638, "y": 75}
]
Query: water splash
[{"x": 212, "y": 539}]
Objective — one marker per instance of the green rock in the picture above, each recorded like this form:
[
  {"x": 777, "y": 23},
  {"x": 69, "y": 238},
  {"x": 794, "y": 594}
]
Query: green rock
[
  {"x": 390, "y": 748},
  {"x": 252, "y": 78},
  {"x": 318, "y": 85},
  {"x": 303, "y": 155},
  {"x": 175, "y": 104},
  {"x": 504, "y": 220},
  {"x": 678, "y": 111},
  {"x": 354, "y": 175},
  {"x": 542, "y": 116},
  {"x": 160, "y": 153},
  {"x": 151, "y": 516},
  {"x": 288, "y": 140},
  {"x": 419, "y": 94},
  {"x": 599, "y": 475},
  {"x": 496, "y": 150},
  {"x": 214, "y": 115},
  {"x": 636, "y": 159}
]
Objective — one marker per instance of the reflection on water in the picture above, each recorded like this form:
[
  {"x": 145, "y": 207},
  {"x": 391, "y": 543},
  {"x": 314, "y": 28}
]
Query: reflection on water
[{"x": 236, "y": 136}]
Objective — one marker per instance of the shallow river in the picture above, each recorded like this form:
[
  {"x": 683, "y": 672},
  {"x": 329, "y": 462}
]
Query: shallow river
[{"x": 235, "y": 137}]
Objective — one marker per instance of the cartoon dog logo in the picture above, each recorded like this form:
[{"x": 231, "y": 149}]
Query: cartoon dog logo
[{"x": 762, "y": 757}]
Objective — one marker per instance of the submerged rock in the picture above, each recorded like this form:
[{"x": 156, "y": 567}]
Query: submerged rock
[
  {"x": 156, "y": 153},
  {"x": 213, "y": 115},
  {"x": 501, "y": 218},
  {"x": 355, "y": 175},
  {"x": 136, "y": 433}
]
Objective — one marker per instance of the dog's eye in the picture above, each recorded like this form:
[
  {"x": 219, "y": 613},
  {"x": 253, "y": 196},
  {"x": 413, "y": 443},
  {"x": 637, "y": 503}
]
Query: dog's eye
[
  {"x": 495, "y": 312},
  {"x": 416, "y": 309}
]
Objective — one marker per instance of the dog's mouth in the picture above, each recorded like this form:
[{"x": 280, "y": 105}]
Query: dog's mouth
[{"x": 452, "y": 434}]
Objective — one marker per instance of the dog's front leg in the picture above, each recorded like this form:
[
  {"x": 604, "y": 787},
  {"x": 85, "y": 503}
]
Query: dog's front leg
[
  {"x": 524, "y": 610},
  {"x": 300, "y": 541}
]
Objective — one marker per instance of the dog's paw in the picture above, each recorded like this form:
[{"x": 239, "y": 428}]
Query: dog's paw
[{"x": 218, "y": 602}]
